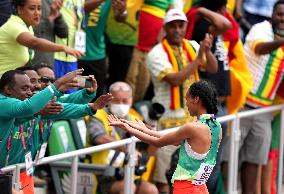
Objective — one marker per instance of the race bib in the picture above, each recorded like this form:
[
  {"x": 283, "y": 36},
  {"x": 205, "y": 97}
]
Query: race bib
[
  {"x": 203, "y": 174},
  {"x": 80, "y": 41}
]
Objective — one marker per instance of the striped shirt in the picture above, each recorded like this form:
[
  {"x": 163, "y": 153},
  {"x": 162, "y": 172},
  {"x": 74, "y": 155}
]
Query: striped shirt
[
  {"x": 267, "y": 70},
  {"x": 157, "y": 7}
]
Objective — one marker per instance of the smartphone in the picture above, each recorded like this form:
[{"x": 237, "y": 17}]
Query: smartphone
[{"x": 84, "y": 81}]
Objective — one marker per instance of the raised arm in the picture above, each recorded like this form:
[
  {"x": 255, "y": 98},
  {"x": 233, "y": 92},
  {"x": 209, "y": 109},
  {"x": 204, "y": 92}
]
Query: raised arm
[
  {"x": 13, "y": 107},
  {"x": 219, "y": 23},
  {"x": 40, "y": 44},
  {"x": 82, "y": 96}
]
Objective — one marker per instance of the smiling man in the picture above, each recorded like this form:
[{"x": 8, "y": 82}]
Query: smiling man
[{"x": 265, "y": 58}]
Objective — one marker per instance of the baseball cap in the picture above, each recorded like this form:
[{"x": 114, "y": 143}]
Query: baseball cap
[{"x": 174, "y": 14}]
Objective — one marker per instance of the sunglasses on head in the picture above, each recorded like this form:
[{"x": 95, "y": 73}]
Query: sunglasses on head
[{"x": 44, "y": 79}]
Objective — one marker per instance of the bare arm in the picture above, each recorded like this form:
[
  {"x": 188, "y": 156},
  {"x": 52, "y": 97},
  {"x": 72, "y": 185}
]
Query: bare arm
[
  {"x": 92, "y": 4},
  {"x": 238, "y": 10},
  {"x": 176, "y": 79},
  {"x": 268, "y": 47},
  {"x": 40, "y": 44},
  {"x": 219, "y": 23},
  {"x": 143, "y": 128},
  {"x": 185, "y": 132}
]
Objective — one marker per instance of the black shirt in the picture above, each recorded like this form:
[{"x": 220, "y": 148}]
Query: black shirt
[
  {"x": 221, "y": 79},
  {"x": 5, "y": 11}
]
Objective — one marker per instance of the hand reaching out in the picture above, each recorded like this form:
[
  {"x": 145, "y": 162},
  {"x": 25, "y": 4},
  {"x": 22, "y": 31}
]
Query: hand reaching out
[
  {"x": 73, "y": 52},
  {"x": 94, "y": 87},
  {"x": 52, "y": 108},
  {"x": 101, "y": 102},
  {"x": 68, "y": 81},
  {"x": 139, "y": 125},
  {"x": 116, "y": 122}
]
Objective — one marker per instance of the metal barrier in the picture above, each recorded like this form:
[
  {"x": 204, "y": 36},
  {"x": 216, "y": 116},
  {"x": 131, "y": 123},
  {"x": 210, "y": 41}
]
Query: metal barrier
[{"x": 131, "y": 143}]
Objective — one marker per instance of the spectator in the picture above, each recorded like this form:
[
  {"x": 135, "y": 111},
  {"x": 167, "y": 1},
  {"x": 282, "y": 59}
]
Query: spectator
[
  {"x": 16, "y": 36},
  {"x": 263, "y": 50},
  {"x": 51, "y": 24},
  {"x": 173, "y": 65},
  {"x": 34, "y": 128},
  {"x": 253, "y": 11},
  {"x": 15, "y": 89},
  {"x": 151, "y": 14},
  {"x": 100, "y": 132},
  {"x": 199, "y": 141},
  {"x": 94, "y": 61},
  {"x": 122, "y": 37},
  {"x": 269, "y": 171}
]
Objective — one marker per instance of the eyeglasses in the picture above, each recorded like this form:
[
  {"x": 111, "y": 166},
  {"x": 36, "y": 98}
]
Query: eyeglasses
[
  {"x": 46, "y": 80},
  {"x": 119, "y": 88}
]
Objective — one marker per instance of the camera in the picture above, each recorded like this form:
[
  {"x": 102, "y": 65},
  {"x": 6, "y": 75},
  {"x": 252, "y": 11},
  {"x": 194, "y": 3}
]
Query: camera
[
  {"x": 151, "y": 112},
  {"x": 84, "y": 81},
  {"x": 140, "y": 168}
]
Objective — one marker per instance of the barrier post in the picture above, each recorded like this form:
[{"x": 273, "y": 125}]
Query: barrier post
[
  {"x": 233, "y": 161},
  {"x": 129, "y": 169},
  {"x": 74, "y": 174},
  {"x": 17, "y": 184},
  {"x": 280, "y": 154}
]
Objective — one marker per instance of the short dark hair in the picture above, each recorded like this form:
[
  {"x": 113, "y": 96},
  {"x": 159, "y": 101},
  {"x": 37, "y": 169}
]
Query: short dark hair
[
  {"x": 207, "y": 92},
  {"x": 18, "y": 3},
  {"x": 25, "y": 68},
  {"x": 41, "y": 65},
  {"x": 213, "y": 5},
  {"x": 277, "y": 3},
  {"x": 8, "y": 78}
]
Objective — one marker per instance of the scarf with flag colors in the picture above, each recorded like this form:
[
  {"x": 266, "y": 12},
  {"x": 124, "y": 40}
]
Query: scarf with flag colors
[{"x": 177, "y": 97}]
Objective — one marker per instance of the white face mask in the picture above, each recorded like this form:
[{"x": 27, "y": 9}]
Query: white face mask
[{"x": 119, "y": 110}]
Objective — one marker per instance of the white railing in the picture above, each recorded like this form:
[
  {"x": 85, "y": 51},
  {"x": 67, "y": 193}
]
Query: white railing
[{"x": 131, "y": 143}]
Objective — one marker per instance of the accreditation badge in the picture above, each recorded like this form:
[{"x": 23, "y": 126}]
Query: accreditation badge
[
  {"x": 80, "y": 41},
  {"x": 29, "y": 163},
  {"x": 41, "y": 152}
]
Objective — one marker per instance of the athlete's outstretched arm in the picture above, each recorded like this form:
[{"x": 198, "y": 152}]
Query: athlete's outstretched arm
[{"x": 152, "y": 137}]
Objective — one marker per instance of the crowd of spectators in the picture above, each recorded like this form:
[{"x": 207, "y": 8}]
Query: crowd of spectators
[{"x": 141, "y": 50}]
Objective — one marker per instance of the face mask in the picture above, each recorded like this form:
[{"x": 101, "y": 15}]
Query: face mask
[{"x": 119, "y": 110}]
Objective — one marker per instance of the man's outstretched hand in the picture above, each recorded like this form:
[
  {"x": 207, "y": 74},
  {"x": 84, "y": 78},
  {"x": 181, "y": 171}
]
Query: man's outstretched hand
[{"x": 101, "y": 102}]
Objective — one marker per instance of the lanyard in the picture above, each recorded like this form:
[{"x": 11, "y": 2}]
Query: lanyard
[
  {"x": 31, "y": 132},
  {"x": 23, "y": 137},
  {"x": 41, "y": 127},
  {"x": 8, "y": 148}
]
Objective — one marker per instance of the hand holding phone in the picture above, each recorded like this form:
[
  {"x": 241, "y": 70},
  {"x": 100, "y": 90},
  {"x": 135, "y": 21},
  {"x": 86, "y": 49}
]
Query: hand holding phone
[{"x": 85, "y": 81}]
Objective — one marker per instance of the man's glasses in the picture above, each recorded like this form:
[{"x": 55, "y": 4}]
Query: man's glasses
[
  {"x": 116, "y": 88},
  {"x": 46, "y": 80}
]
